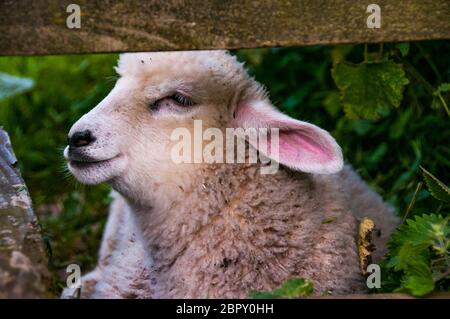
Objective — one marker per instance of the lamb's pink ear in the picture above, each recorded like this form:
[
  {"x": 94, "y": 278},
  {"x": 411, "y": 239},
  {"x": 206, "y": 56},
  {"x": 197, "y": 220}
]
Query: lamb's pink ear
[{"x": 302, "y": 146}]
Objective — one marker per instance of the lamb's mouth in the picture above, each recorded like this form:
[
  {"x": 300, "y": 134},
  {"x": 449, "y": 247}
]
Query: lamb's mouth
[
  {"x": 91, "y": 171},
  {"x": 76, "y": 164}
]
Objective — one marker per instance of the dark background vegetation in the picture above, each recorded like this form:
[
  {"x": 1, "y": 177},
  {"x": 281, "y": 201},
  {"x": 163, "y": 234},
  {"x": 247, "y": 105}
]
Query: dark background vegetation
[{"x": 387, "y": 149}]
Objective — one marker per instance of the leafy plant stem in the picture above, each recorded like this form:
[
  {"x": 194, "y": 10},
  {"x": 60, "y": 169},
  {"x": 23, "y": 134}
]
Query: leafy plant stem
[
  {"x": 413, "y": 201},
  {"x": 444, "y": 275},
  {"x": 444, "y": 104},
  {"x": 414, "y": 73},
  {"x": 439, "y": 207}
]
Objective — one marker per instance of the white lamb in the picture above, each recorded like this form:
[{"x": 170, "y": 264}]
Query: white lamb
[{"x": 215, "y": 230}]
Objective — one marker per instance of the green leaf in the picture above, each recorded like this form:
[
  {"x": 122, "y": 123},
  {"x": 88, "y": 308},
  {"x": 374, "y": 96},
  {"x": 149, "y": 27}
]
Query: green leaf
[
  {"x": 443, "y": 87},
  {"x": 12, "y": 85},
  {"x": 291, "y": 288},
  {"x": 370, "y": 89},
  {"x": 420, "y": 283},
  {"x": 296, "y": 287},
  {"x": 403, "y": 48},
  {"x": 262, "y": 295},
  {"x": 438, "y": 189},
  {"x": 413, "y": 250},
  {"x": 418, "y": 233}
]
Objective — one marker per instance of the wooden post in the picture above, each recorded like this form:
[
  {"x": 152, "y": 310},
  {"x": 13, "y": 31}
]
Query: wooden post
[{"x": 23, "y": 258}]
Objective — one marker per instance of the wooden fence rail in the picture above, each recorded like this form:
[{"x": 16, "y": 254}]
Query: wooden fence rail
[{"x": 39, "y": 26}]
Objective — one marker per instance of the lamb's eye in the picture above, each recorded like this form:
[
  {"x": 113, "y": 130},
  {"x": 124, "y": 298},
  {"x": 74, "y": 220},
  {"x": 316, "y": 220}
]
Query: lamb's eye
[
  {"x": 182, "y": 99},
  {"x": 175, "y": 100}
]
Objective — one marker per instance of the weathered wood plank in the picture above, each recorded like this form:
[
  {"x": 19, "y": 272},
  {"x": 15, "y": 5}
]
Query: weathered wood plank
[
  {"x": 23, "y": 259},
  {"x": 39, "y": 27}
]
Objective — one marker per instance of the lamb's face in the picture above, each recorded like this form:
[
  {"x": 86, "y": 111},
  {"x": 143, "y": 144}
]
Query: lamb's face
[{"x": 126, "y": 139}]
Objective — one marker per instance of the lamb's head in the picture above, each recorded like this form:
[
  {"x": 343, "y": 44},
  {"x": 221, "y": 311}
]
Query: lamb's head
[{"x": 126, "y": 139}]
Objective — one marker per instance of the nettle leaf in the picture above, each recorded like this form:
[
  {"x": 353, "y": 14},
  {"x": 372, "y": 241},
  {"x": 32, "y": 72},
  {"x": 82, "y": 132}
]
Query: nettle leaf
[
  {"x": 291, "y": 288},
  {"x": 370, "y": 89},
  {"x": 420, "y": 282},
  {"x": 12, "y": 85},
  {"x": 296, "y": 287},
  {"x": 418, "y": 232},
  {"x": 412, "y": 249},
  {"x": 438, "y": 189}
]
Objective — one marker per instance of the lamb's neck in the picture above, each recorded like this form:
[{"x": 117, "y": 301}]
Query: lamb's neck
[{"x": 172, "y": 223}]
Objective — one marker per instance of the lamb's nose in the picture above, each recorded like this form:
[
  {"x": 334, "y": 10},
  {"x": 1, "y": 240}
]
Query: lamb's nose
[{"x": 79, "y": 139}]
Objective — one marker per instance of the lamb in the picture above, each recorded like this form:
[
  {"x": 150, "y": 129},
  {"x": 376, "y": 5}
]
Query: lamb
[{"x": 215, "y": 230}]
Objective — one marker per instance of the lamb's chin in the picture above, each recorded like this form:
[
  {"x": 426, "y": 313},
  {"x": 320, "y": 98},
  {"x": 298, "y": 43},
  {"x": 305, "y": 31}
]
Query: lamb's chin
[{"x": 92, "y": 173}]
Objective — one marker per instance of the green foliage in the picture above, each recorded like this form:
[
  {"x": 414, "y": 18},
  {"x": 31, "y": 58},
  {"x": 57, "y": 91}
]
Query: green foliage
[
  {"x": 420, "y": 251},
  {"x": 38, "y": 120},
  {"x": 291, "y": 288},
  {"x": 369, "y": 89},
  {"x": 438, "y": 97},
  {"x": 438, "y": 189},
  {"x": 403, "y": 48},
  {"x": 444, "y": 87}
]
